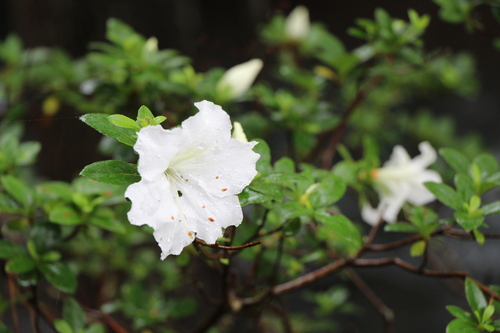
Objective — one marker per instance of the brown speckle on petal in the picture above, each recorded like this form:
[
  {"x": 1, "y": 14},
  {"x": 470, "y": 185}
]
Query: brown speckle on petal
[
  {"x": 224, "y": 190},
  {"x": 211, "y": 219}
]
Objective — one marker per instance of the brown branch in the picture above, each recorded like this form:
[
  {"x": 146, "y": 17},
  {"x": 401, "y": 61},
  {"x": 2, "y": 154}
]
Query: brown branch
[
  {"x": 222, "y": 247},
  {"x": 13, "y": 293},
  {"x": 336, "y": 133}
]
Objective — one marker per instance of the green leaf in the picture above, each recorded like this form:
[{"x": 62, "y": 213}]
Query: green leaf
[
  {"x": 458, "y": 312},
  {"x": 479, "y": 236},
  {"x": 284, "y": 165},
  {"x": 17, "y": 189},
  {"x": 339, "y": 229},
  {"x": 62, "y": 326},
  {"x": 73, "y": 314},
  {"x": 20, "y": 264},
  {"x": 462, "y": 326},
  {"x": 455, "y": 159},
  {"x": 45, "y": 235},
  {"x": 271, "y": 190},
  {"x": 249, "y": 196},
  {"x": 100, "y": 122},
  {"x": 60, "y": 276},
  {"x": 146, "y": 114},
  {"x": 123, "y": 121},
  {"x": 10, "y": 250},
  {"x": 264, "y": 162},
  {"x": 475, "y": 296},
  {"x": 112, "y": 172},
  {"x": 95, "y": 328},
  {"x": 28, "y": 152},
  {"x": 491, "y": 208},
  {"x": 329, "y": 191},
  {"x": 445, "y": 194},
  {"x": 469, "y": 221},
  {"x": 400, "y": 227},
  {"x": 465, "y": 186},
  {"x": 292, "y": 228},
  {"x": 105, "y": 218},
  {"x": 487, "y": 164},
  {"x": 292, "y": 209},
  {"x": 418, "y": 248},
  {"x": 65, "y": 215}
]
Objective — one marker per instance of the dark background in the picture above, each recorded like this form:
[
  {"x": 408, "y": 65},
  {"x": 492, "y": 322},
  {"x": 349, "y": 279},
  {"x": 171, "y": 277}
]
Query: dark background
[{"x": 225, "y": 33}]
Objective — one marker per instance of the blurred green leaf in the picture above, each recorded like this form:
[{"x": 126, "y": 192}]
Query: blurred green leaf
[
  {"x": 400, "y": 227},
  {"x": 417, "y": 249},
  {"x": 338, "y": 228},
  {"x": 105, "y": 218},
  {"x": 17, "y": 189},
  {"x": 62, "y": 326},
  {"x": 455, "y": 159},
  {"x": 73, "y": 314},
  {"x": 10, "y": 250},
  {"x": 65, "y": 215},
  {"x": 20, "y": 264},
  {"x": 475, "y": 296},
  {"x": 329, "y": 191},
  {"x": 445, "y": 194},
  {"x": 60, "y": 276}
]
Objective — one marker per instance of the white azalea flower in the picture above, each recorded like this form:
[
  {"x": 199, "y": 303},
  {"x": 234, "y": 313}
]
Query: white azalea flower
[
  {"x": 401, "y": 179},
  {"x": 190, "y": 178},
  {"x": 238, "y": 79},
  {"x": 297, "y": 23}
]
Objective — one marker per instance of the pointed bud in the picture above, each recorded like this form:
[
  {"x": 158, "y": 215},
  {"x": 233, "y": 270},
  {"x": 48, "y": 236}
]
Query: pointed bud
[
  {"x": 297, "y": 23},
  {"x": 238, "y": 79}
]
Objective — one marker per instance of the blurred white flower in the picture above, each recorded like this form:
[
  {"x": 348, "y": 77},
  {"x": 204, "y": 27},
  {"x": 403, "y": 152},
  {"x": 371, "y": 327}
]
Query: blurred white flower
[
  {"x": 238, "y": 79},
  {"x": 87, "y": 87},
  {"x": 238, "y": 132},
  {"x": 399, "y": 180},
  {"x": 297, "y": 23},
  {"x": 190, "y": 178}
]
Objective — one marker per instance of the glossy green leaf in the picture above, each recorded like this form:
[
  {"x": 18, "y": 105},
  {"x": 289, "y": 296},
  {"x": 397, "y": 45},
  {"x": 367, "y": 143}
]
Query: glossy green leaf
[
  {"x": 458, "y": 312},
  {"x": 65, "y": 215},
  {"x": 271, "y": 190},
  {"x": 249, "y": 196},
  {"x": 100, "y": 122},
  {"x": 491, "y": 208},
  {"x": 339, "y": 229},
  {"x": 462, "y": 326},
  {"x": 455, "y": 159},
  {"x": 469, "y": 221},
  {"x": 445, "y": 194},
  {"x": 45, "y": 235},
  {"x": 10, "y": 250},
  {"x": 487, "y": 164},
  {"x": 112, "y": 172},
  {"x": 60, "y": 276},
  {"x": 475, "y": 296},
  {"x": 17, "y": 189},
  {"x": 329, "y": 191},
  {"x": 465, "y": 186},
  {"x": 145, "y": 113},
  {"x": 284, "y": 165},
  {"x": 123, "y": 121},
  {"x": 73, "y": 314},
  {"x": 20, "y": 264}
]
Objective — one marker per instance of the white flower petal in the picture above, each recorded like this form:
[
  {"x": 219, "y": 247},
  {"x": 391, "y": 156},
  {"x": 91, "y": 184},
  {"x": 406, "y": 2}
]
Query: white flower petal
[
  {"x": 427, "y": 157},
  {"x": 398, "y": 157},
  {"x": 420, "y": 195},
  {"x": 239, "y": 79},
  {"x": 172, "y": 237},
  {"x": 156, "y": 148},
  {"x": 297, "y": 23},
  {"x": 208, "y": 214}
]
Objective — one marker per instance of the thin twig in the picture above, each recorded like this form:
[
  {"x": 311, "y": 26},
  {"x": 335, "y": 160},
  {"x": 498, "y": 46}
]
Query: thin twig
[
  {"x": 386, "y": 312},
  {"x": 13, "y": 292},
  {"x": 33, "y": 310},
  {"x": 222, "y": 247}
]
